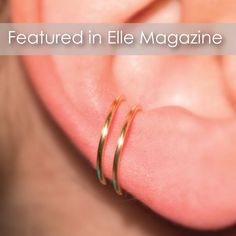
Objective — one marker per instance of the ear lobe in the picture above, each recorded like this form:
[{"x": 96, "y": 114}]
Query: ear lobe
[{"x": 180, "y": 165}]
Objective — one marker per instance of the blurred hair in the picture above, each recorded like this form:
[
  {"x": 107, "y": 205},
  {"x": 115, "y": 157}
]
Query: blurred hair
[{"x": 3, "y": 11}]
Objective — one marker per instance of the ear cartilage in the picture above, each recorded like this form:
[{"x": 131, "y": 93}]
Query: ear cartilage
[
  {"x": 120, "y": 145},
  {"x": 104, "y": 135}
]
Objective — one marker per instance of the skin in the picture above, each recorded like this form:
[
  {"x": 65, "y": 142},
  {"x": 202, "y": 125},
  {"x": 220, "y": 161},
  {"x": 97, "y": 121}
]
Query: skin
[
  {"x": 168, "y": 182},
  {"x": 47, "y": 187}
]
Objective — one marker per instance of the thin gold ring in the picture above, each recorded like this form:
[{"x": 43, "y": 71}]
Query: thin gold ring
[
  {"x": 104, "y": 135},
  {"x": 120, "y": 145}
]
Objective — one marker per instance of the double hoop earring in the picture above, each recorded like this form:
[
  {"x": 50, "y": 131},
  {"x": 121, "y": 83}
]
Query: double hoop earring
[
  {"x": 120, "y": 144},
  {"x": 104, "y": 136}
]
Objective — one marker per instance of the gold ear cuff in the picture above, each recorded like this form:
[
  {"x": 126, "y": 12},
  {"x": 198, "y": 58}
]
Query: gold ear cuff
[
  {"x": 104, "y": 135},
  {"x": 120, "y": 144}
]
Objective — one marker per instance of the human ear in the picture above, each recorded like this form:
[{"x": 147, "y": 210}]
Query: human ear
[{"x": 180, "y": 154}]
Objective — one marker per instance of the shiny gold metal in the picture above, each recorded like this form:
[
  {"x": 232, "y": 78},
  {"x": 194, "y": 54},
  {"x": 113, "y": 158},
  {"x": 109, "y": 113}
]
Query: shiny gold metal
[
  {"x": 104, "y": 135},
  {"x": 120, "y": 145}
]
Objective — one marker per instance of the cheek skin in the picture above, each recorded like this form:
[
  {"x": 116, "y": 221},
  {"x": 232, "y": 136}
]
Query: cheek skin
[{"x": 175, "y": 160}]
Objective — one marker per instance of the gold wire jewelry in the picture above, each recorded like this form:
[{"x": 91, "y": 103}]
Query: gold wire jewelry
[
  {"x": 120, "y": 145},
  {"x": 104, "y": 135}
]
